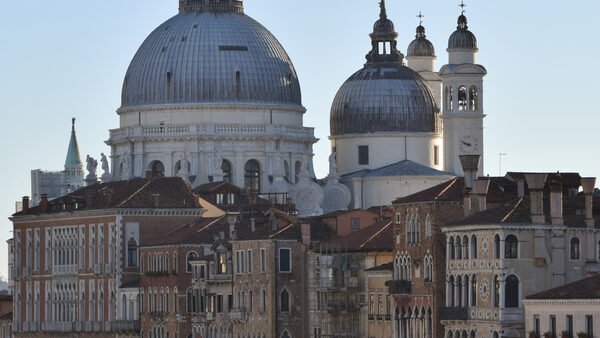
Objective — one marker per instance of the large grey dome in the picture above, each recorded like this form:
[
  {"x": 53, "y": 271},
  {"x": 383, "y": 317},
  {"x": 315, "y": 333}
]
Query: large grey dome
[
  {"x": 210, "y": 57},
  {"x": 384, "y": 98},
  {"x": 462, "y": 38}
]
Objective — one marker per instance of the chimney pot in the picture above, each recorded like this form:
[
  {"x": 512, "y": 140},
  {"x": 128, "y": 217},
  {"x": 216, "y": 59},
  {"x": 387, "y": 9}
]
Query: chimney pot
[
  {"x": 305, "y": 230},
  {"x": 536, "y": 183},
  {"x": 481, "y": 189},
  {"x": 25, "y": 204},
  {"x": 470, "y": 166},
  {"x": 156, "y": 200},
  {"x": 44, "y": 202},
  {"x": 467, "y": 201},
  {"x": 588, "y": 184}
]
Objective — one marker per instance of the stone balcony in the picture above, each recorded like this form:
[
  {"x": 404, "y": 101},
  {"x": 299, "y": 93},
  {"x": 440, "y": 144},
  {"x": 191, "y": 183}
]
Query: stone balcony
[
  {"x": 238, "y": 315},
  {"x": 481, "y": 313},
  {"x": 125, "y": 326}
]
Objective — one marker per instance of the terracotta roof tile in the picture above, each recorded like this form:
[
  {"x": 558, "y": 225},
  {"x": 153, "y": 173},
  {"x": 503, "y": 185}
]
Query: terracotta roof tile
[
  {"x": 156, "y": 192},
  {"x": 376, "y": 237}
]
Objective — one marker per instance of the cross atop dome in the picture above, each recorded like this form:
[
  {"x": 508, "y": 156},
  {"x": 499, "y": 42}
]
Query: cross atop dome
[
  {"x": 383, "y": 11},
  {"x": 192, "y": 6},
  {"x": 462, "y": 6},
  {"x": 420, "y": 16}
]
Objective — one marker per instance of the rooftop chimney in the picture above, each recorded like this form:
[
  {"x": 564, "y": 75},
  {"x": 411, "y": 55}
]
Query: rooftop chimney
[
  {"x": 588, "y": 184},
  {"x": 520, "y": 187},
  {"x": 231, "y": 219},
  {"x": 156, "y": 200},
  {"x": 44, "y": 203},
  {"x": 305, "y": 230},
  {"x": 536, "y": 183},
  {"x": 25, "y": 204},
  {"x": 556, "y": 202},
  {"x": 88, "y": 198},
  {"x": 481, "y": 189},
  {"x": 470, "y": 166},
  {"x": 109, "y": 194},
  {"x": 253, "y": 224}
]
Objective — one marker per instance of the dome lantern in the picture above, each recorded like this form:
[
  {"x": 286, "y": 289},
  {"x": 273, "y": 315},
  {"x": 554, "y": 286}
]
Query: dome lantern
[
  {"x": 192, "y": 6},
  {"x": 383, "y": 40}
]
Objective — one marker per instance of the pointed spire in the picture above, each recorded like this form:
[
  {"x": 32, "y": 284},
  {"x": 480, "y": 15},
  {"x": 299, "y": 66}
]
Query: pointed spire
[
  {"x": 73, "y": 158},
  {"x": 383, "y": 12}
]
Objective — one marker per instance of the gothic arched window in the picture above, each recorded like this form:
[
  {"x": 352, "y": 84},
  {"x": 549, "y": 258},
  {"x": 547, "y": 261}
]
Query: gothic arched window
[
  {"x": 252, "y": 176},
  {"x": 473, "y": 247},
  {"x": 497, "y": 247},
  {"x": 451, "y": 248},
  {"x": 284, "y": 301},
  {"x": 575, "y": 248},
  {"x": 511, "y": 247},
  {"x": 511, "y": 299}
]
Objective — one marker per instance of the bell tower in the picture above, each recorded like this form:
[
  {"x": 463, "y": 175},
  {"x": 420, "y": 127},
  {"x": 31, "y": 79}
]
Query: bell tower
[{"x": 462, "y": 98}]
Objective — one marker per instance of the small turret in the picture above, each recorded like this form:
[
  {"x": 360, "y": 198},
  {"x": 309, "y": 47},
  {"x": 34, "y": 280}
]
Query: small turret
[
  {"x": 420, "y": 54},
  {"x": 462, "y": 44}
]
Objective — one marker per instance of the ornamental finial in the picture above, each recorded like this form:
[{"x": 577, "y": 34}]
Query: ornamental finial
[
  {"x": 383, "y": 13},
  {"x": 462, "y": 7},
  {"x": 420, "y": 16}
]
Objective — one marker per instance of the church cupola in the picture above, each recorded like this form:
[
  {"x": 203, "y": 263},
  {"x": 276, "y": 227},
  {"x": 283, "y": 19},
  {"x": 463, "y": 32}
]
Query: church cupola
[
  {"x": 383, "y": 40},
  {"x": 192, "y": 6},
  {"x": 462, "y": 44},
  {"x": 420, "y": 54}
]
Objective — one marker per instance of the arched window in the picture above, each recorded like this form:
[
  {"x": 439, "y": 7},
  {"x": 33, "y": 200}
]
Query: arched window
[
  {"x": 191, "y": 301},
  {"x": 462, "y": 98},
  {"x": 511, "y": 247},
  {"x": 496, "y": 335},
  {"x": 447, "y": 98},
  {"x": 175, "y": 266},
  {"x": 285, "y": 334},
  {"x": 459, "y": 291},
  {"x": 428, "y": 226},
  {"x": 132, "y": 253},
  {"x": 497, "y": 247},
  {"x": 252, "y": 176},
  {"x": 451, "y": 99},
  {"x": 511, "y": 299},
  {"x": 188, "y": 260},
  {"x": 473, "y": 99},
  {"x": 158, "y": 169},
  {"x": 458, "y": 248},
  {"x": 226, "y": 168},
  {"x": 474, "y": 290},
  {"x": 465, "y": 247},
  {"x": 284, "y": 301},
  {"x": 575, "y": 248},
  {"x": 473, "y": 247},
  {"x": 451, "y": 248}
]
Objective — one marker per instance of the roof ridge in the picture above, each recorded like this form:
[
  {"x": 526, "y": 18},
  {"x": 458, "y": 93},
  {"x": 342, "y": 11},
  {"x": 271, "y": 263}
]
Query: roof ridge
[
  {"x": 136, "y": 192},
  {"x": 452, "y": 182},
  {"x": 282, "y": 230},
  {"x": 377, "y": 233},
  {"x": 514, "y": 209}
]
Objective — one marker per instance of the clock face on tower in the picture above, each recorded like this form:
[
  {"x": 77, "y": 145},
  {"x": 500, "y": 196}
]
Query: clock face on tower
[{"x": 469, "y": 144}]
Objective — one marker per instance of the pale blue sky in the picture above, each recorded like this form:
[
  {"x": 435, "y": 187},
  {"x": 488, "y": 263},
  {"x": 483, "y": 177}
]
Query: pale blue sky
[{"x": 67, "y": 58}]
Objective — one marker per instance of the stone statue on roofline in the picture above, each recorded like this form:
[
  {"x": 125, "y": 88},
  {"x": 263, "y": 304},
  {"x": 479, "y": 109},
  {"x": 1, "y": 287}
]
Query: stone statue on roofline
[
  {"x": 106, "y": 177},
  {"x": 92, "y": 166}
]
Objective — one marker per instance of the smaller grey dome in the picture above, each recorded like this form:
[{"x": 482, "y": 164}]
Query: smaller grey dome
[
  {"x": 462, "y": 38},
  {"x": 420, "y": 46}
]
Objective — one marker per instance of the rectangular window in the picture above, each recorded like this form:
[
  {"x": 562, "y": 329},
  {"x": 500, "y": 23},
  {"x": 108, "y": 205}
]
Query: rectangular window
[
  {"x": 553, "y": 325},
  {"x": 219, "y": 303},
  {"x": 250, "y": 301},
  {"x": 239, "y": 261},
  {"x": 570, "y": 325},
  {"x": 589, "y": 326},
  {"x": 536, "y": 324},
  {"x": 398, "y": 218},
  {"x": 355, "y": 224},
  {"x": 285, "y": 260},
  {"x": 229, "y": 303},
  {"x": 363, "y": 155},
  {"x": 436, "y": 155},
  {"x": 371, "y": 305},
  {"x": 263, "y": 259},
  {"x": 249, "y": 267}
]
